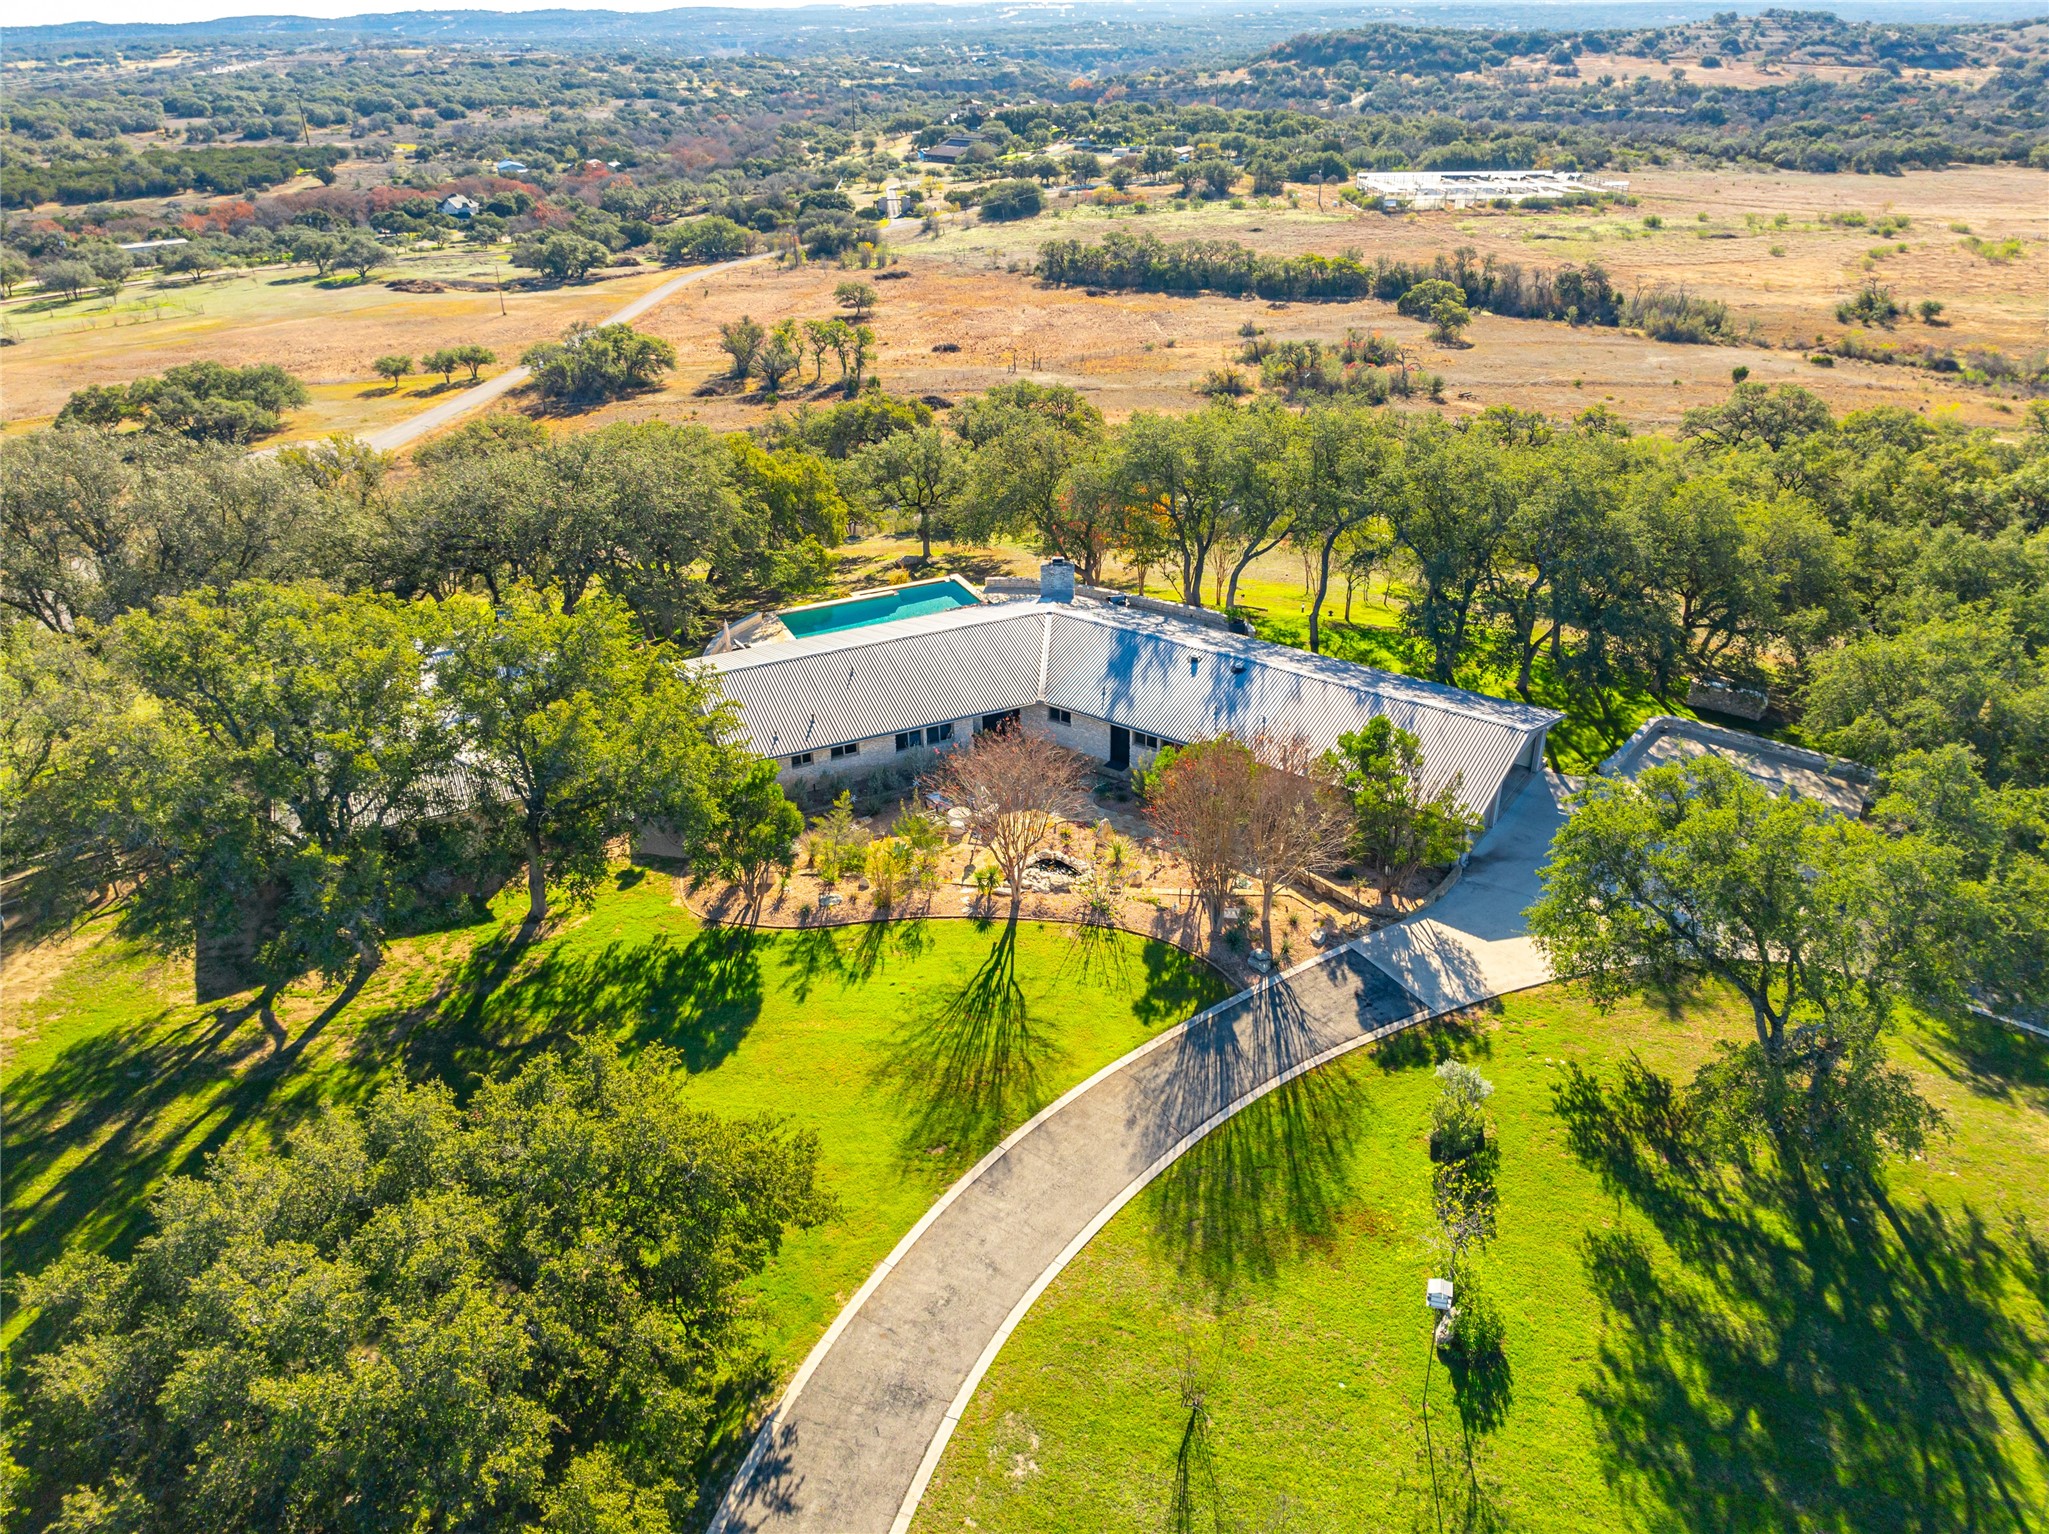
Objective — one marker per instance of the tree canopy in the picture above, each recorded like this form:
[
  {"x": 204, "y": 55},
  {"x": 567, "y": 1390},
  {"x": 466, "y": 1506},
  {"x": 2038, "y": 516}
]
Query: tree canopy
[{"x": 419, "y": 1315}]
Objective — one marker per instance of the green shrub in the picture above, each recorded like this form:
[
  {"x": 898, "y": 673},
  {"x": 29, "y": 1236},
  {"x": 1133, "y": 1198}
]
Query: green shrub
[
  {"x": 701, "y": 241},
  {"x": 597, "y": 364},
  {"x": 1005, "y": 201}
]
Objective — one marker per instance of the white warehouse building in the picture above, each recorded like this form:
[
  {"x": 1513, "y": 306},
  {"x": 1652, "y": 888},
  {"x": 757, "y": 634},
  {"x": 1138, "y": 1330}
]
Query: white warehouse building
[{"x": 1112, "y": 682}]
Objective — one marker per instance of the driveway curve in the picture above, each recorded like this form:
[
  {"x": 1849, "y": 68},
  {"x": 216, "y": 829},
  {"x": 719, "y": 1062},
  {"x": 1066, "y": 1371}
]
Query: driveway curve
[
  {"x": 391, "y": 438},
  {"x": 856, "y": 1436}
]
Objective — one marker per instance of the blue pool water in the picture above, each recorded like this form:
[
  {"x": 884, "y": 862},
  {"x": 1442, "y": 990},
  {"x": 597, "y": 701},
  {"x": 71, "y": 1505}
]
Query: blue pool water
[{"x": 912, "y": 601}]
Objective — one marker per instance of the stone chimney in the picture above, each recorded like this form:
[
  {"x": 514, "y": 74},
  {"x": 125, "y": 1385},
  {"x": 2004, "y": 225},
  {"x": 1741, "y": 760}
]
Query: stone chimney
[{"x": 1056, "y": 581}]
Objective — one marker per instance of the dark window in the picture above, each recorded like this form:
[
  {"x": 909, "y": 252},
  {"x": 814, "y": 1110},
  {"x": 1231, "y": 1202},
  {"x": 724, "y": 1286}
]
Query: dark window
[
  {"x": 1150, "y": 742},
  {"x": 801, "y": 759},
  {"x": 999, "y": 721},
  {"x": 1059, "y": 716},
  {"x": 937, "y": 733},
  {"x": 907, "y": 742},
  {"x": 851, "y": 748}
]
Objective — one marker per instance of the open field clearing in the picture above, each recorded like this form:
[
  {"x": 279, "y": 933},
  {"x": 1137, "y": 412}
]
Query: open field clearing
[
  {"x": 1245, "y": 1345},
  {"x": 325, "y": 331},
  {"x": 1133, "y": 351},
  {"x": 1781, "y": 250}
]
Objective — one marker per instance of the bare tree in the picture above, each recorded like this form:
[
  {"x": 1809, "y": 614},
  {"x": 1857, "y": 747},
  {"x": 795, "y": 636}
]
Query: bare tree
[
  {"x": 1016, "y": 787},
  {"x": 1293, "y": 819},
  {"x": 1196, "y": 795}
]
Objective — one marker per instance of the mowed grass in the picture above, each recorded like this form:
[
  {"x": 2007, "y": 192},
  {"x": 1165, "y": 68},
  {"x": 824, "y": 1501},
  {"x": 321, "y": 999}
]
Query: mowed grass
[
  {"x": 117, "y": 1081},
  {"x": 1747, "y": 1351}
]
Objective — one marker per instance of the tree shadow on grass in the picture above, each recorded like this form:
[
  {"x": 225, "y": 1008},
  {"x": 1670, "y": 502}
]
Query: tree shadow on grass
[
  {"x": 1819, "y": 1356},
  {"x": 698, "y": 996},
  {"x": 1174, "y": 986},
  {"x": 850, "y": 954},
  {"x": 1992, "y": 1059},
  {"x": 1455, "y": 1036},
  {"x": 1266, "y": 1187},
  {"x": 970, "y": 1064},
  {"x": 96, "y": 1130}
]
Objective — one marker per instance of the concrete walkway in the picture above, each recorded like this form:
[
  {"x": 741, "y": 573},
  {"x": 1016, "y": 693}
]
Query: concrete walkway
[
  {"x": 855, "y": 1439},
  {"x": 391, "y": 438}
]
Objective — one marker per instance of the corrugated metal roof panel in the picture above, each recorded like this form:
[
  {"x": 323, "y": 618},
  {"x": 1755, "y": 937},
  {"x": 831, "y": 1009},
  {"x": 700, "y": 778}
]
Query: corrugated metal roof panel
[
  {"x": 799, "y": 697},
  {"x": 1184, "y": 689},
  {"x": 1140, "y": 670}
]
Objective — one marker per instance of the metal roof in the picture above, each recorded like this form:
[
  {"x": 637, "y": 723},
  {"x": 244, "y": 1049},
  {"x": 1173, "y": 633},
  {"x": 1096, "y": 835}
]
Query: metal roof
[
  {"x": 858, "y": 684},
  {"x": 1141, "y": 670}
]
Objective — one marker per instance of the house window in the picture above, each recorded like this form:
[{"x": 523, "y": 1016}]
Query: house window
[
  {"x": 908, "y": 740},
  {"x": 1059, "y": 716},
  {"x": 801, "y": 759},
  {"x": 999, "y": 721},
  {"x": 851, "y": 748},
  {"x": 937, "y": 733},
  {"x": 1149, "y": 742}
]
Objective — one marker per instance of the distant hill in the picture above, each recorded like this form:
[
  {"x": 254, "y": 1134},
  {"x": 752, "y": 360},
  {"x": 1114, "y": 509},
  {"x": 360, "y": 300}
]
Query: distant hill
[{"x": 1122, "y": 26}]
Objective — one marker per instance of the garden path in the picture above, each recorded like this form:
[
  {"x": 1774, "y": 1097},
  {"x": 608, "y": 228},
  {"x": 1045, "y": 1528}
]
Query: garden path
[{"x": 856, "y": 1437}]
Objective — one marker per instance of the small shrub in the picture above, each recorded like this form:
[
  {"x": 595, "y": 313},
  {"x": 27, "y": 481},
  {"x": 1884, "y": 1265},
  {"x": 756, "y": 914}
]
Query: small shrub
[{"x": 1476, "y": 1334}]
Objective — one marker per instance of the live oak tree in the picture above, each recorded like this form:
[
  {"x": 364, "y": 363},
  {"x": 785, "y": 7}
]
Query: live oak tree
[
  {"x": 857, "y": 298},
  {"x": 580, "y": 731},
  {"x": 918, "y": 474},
  {"x": 93, "y": 523},
  {"x": 604, "y": 362},
  {"x": 275, "y": 789},
  {"x": 504, "y": 1316},
  {"x": 1819, "y": 923},
  {"x": 754, "y": 833}
]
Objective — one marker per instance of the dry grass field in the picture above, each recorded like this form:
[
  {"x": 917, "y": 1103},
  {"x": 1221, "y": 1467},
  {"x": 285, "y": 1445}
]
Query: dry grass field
[
  {"x": 1780, "y": 249},
  {"x": 1132, "y": 351},
  {"x": 327, "y": 332}
]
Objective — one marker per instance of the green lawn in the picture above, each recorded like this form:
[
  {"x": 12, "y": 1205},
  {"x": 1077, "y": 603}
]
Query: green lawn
[
  {"x": 1739, "y": 1353},
  {"x": 116, "y": 1079}
]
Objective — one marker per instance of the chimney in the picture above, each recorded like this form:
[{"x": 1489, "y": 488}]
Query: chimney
[{"x": 1056, "y": 581}]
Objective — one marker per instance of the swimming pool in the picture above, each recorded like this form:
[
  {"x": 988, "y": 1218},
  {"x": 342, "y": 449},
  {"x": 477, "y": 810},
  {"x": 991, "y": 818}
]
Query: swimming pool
[{"x": 912, "y": 601}]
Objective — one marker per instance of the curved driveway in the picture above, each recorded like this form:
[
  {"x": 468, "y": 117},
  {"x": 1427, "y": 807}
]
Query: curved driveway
[
  {"x": 855, "y": 1438},
  {"x": 390, "y": 438}
]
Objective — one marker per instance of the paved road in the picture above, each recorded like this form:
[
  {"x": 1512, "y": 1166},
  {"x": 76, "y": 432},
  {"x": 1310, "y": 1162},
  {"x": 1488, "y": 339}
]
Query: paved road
[
  {"x": 856, "y": 1437},
  {"x": 391, "y": 438}
]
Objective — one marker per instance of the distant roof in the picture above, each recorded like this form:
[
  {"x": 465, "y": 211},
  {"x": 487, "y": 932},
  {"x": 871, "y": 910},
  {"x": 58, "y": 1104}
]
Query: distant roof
[
  {"x": 1667, "y": 741},
  {"x": 1141, "y": 670}
]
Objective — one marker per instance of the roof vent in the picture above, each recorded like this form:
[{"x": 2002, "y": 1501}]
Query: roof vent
[{"x": 1238, "y": 666}]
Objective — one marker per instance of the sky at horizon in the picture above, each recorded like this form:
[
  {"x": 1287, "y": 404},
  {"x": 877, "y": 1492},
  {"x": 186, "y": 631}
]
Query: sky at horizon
[{"x": 130, "y": 12}]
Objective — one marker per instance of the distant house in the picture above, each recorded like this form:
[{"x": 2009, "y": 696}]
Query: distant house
[
  {"x": 458, "y": 206},
  {"x": 949, "y": 151},
  {"x": 510, "y": 167},
  {"x": 899, "y": 676},
  {"x": 156, "y": 244}
]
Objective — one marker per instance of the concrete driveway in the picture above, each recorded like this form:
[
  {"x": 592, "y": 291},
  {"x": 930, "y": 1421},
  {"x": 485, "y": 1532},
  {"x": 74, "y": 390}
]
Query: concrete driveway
[{"x": 856, "y": 1437}]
